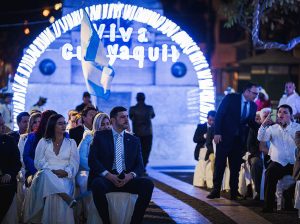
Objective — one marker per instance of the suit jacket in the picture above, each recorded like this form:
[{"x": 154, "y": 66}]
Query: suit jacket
[
  {"x": 102, "y": 154},
  {"x": 199, "y": 138},
  {"x": 209, "y": 142},
  {"x": 15, "y": 135},
  {"x": 141, "y": 115},
  {"x": 9, "y": 157},
  {"x": 228, "y": 119},
  {"x": 77, "y": 133}
]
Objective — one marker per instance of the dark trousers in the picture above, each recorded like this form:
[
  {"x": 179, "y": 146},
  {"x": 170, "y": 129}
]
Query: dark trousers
[
  {"x": 234, "y": 154},
  {"x": 7, "y": 192},
  {"x": 256, "y": 170},
  {"x": 146, "y": 144},
  {"x": 143, "y": 187},
  {"x": 274, "y": 172}
]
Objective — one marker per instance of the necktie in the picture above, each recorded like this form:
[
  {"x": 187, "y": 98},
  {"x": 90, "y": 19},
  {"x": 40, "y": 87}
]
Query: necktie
[
  {"x": 244, "y": 112},
  {"x": 119, "y": 154}
]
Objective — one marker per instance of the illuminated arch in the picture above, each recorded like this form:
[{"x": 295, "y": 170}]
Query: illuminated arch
[{"x": 116, "y": 11}]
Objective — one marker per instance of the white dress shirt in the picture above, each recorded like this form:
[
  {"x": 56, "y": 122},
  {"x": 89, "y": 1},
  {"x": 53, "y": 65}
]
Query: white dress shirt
[
  {"x": 293, "y": 101},
  {"x": 282, "y": 142},
  {"x": 115, "y": 133}
]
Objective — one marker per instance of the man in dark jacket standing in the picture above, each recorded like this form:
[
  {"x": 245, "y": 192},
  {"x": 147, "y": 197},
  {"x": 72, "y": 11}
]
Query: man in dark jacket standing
[
  {"x": 141, "y": 115},
  {"x": 235, "y": 113}
]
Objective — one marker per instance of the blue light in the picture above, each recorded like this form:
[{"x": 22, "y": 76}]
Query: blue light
[
  {"x": 178, "y": 69},
  {"x": 47, "y": 67}
]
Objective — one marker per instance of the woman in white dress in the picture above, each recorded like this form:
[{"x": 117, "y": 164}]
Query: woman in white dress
[
  {"x": 101, "y": 122},
  {"x": 49, "y": 199}
]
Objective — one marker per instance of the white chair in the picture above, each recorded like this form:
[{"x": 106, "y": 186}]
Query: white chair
[
  {"x": 209, "y": 175},
  {"x": 11, "y": 216},
  {"x": 203, "y": 173},
  {"x": 244, "y": 176},
  {"x": 120, "y": 207},
  {"x": 20, "y": 192},
  {"x": 200, "y": 169},
  {"x": 282, "y": 185},
  {"x": 297, "y": 197}
]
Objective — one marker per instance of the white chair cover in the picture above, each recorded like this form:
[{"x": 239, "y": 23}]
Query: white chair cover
[
  {"x": 20, "y": 192},
  {"x": 200, "y": 169},
  {"x": 282, "y": 185},
  {"x": 57, "y": 211},
  {"x": 11, "y": 216},
  {"x": 244, "y": 176},
  {"x": 226, "y": 179},
  {"x": 120, "y": 207},
  {"x": 297, "y": 197},
  {"x": 209, "y": 175},
  {"x": 43, "y": 205}
]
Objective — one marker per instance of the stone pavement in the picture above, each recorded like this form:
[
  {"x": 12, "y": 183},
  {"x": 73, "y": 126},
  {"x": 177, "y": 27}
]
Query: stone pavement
[{"x": 186, "y": 204}]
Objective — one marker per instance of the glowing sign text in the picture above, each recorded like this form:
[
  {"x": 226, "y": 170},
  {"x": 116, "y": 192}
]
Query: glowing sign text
[{"x": 125, "y": 12}]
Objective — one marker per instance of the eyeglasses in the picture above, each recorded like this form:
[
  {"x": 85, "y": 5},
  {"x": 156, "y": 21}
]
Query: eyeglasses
[{"x": 254, "y": 93}]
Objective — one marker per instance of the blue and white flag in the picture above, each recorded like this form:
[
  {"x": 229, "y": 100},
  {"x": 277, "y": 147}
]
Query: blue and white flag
[{"x": 97, "y": 72}]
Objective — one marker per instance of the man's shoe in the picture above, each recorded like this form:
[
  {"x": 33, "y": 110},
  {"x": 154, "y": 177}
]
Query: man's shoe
[
  {"x": 214, "y": 194},
  {"x": 236, "y": 198}
]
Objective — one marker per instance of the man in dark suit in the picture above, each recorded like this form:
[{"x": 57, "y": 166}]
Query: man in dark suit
[
  {"x": 88, "y": 115},
  {"x": 22, "y": 121},
  {"x": 116, "y": 165},
  {"x": 200, "y": 136},
  {"x": 234, "y": 114},
  {"x": 9, "y": 167},
  {"x": 141, "y": 115}
]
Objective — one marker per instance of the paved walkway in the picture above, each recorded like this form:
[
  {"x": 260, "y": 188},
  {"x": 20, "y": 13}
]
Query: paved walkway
[{"x": 194, "y": 207}]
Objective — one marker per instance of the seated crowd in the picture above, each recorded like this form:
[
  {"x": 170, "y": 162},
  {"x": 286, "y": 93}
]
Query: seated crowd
[
  {"x": 268, "y": 167},
  {"x": 53, "y": 168}
]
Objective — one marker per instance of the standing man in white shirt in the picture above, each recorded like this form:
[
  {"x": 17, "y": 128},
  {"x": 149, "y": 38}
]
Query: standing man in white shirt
[
  {"x": 282, "y": 150},
  {"x": 291, "y": 98}
]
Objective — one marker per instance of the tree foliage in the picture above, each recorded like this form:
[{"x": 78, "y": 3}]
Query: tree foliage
[{"x": 272, "y": 23}]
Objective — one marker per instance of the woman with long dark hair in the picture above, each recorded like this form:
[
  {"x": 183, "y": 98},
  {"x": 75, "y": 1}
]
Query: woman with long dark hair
[
  {"x": 57, "y": 162},
  {"x": 31, "y": 143}
]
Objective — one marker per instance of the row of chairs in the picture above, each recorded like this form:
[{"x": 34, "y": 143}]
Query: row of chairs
[{"x": 120, "y": 205}]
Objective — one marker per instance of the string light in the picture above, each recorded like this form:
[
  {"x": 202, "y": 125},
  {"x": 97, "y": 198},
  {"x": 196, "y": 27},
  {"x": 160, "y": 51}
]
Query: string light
[
  {"x": 27, "y": 31},
  {"x": 58, "y": 6},
  {"x": 51, "y": 19},
  {"x": 46, "y": 12}
]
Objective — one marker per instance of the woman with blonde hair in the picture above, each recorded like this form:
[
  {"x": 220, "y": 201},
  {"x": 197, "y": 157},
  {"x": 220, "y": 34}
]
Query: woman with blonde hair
[{"x": 101, "y": 122}]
